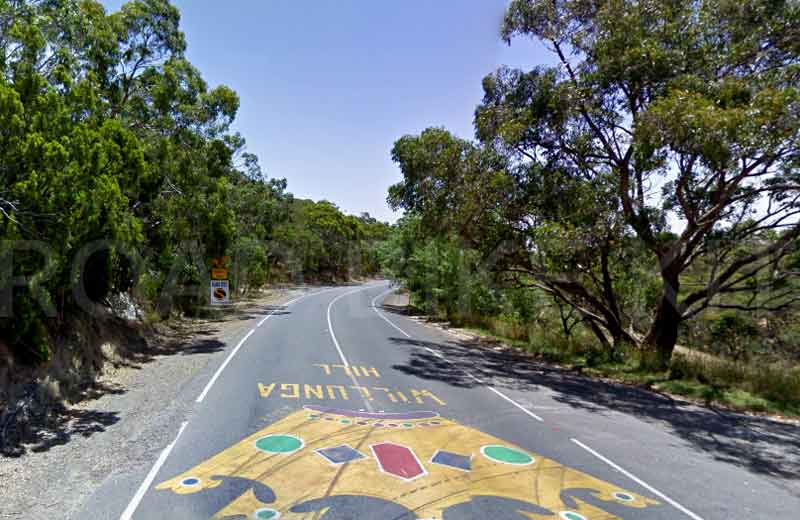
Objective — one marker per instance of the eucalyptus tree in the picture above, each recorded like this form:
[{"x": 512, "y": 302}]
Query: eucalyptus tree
[
  {"x": 690, "y": 111},
  {"x": 540, "y": 226}
]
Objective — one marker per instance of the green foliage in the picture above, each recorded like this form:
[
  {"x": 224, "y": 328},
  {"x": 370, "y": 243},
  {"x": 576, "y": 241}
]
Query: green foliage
[
  {"x": 697, "y": 98},
  {"x": 108, "y": 132},
  {"x": 733, "y": 334},
  {"x": 633, "y": 191},
  {"x": 319, "y": 242},
  {"x": 776, "y": 385}
]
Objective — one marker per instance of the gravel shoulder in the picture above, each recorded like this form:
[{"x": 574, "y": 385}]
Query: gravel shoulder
[{"x": 127, "y": 417}]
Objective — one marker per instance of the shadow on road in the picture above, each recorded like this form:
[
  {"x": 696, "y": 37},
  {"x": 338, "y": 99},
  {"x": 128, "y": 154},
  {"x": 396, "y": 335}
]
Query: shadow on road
[{"x": 759, "y": 444}]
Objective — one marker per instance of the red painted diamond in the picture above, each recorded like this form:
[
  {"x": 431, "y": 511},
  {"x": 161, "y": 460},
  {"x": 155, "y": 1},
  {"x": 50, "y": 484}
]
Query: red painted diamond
[{"x": 397, "y": 460}]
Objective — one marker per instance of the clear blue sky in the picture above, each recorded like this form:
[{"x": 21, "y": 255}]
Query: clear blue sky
[{"x": 327, "y": 86}]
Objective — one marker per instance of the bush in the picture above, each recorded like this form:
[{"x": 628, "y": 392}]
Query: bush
[{"x": 776, "y": 382}]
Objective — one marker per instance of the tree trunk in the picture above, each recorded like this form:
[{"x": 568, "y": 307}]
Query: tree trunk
[
  {"x": 663, "y": 334},
  {"x": 600, "y": 335}
]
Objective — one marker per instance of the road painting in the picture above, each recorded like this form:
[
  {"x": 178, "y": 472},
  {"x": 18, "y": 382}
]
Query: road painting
[
  {"x": 345, "y": 393},
  {"x": 336, "y": 464},
  {"x": 350, "y": 370}
]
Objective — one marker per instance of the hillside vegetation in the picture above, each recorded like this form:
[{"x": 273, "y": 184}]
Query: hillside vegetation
[
  {"x": 641, "y": 193},
  {"x": 121, "y": 179}
]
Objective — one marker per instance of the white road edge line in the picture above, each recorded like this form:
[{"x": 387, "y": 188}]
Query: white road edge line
[
  {"x": 241, "y": 342},
  {"x": 330, "y": 326},
  {"x": 639, "y": 481},
  {"x": 272, "y": 313},
  {"x": 439, "y": 355},
  {"x": 222, "y": 367},
  {"x": 137, "y": 498},
  {"x": 504, "y": 396},
  {"x": 336, "y": 341},
  {"x": 387, "y": 320}
]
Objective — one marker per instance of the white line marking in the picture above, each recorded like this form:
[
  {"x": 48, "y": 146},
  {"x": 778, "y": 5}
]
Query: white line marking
[
  {"x": 435, "y": 353},
  {"x": 148, "y": 481},
  {"x": 235, "y": 350},
  {"x": 222, "y": 366},
  {"x": 272, "y": 312},
  {"x": 387, "y": 320},
  {"x": 330, "y": 328},
  {"x": 504, "y": 396},
  {"x": 496, "y": 391},
  {"x": 639, "y": 481},
  {"x": 339, "y": 348},
  {"x": 134, "y": 503}
]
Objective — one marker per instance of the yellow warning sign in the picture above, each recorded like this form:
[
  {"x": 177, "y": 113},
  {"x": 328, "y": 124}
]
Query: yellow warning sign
[
  {"x": 218, "y": 273},
  {"x": 221, "y": 261},
  {"x": 355, "y": 464}
]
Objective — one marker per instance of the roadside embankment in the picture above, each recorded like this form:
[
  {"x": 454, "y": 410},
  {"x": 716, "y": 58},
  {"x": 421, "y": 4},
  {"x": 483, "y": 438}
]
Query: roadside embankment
[{"x": 121, "y": 417}]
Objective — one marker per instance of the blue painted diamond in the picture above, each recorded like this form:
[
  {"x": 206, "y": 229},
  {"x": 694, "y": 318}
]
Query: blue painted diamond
[{"x": 340, "y": 454}]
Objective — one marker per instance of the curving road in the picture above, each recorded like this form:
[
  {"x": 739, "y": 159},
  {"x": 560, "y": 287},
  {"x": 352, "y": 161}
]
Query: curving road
[{"x": 335, "y": 407}]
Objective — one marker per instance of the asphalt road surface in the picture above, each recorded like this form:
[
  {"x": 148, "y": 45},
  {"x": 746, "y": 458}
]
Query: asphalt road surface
[{"x": 335, "y": 407}]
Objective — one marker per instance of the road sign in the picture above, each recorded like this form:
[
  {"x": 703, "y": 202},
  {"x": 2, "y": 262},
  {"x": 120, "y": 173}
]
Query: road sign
[
  {"x": 218, "y": 273},
  {"x": 219, "y": 292},
  {"x": 221, "y": 261}
]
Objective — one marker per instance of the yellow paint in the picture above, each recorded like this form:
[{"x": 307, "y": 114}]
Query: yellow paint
[
  {"x": 315, "y": 390},
  {"x": 372, "y": 370},
  {"x": 290, "y": 390},
  {"x": 326, "y": 368},
  {"x": 391, "y": 397},
  {"x": 265, "y": 390},
  {"x": 365, "y": 393},
  {"x": 343, "y": 367},
  {"x": 419, "y": 394},
  {"x": 350, "y": 370},
  {"x": 340, "y": 393},
  {"x": 305, "y": 475},
  {"x": 219, "y": 273}
]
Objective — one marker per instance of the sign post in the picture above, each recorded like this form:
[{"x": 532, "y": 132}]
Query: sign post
[
  {"x": 220, "y": 292},
  {"x": 220, "y": 288}
]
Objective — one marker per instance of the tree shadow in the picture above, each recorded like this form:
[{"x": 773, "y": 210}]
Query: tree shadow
[
  {"x": 759, "y": 444},
  {"x": 205, "y": 346},
  {"x": 243, "y": 313},
  {"x": 41, "y": 428}
]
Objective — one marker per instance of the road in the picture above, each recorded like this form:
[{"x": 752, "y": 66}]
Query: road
[{"x": 334, "y": 407}]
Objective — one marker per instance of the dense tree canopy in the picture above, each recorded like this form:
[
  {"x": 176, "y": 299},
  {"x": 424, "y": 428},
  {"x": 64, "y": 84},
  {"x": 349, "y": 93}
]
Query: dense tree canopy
[
  {"x": 652, "y": 174},
  {"x": 108, "y": 132}
]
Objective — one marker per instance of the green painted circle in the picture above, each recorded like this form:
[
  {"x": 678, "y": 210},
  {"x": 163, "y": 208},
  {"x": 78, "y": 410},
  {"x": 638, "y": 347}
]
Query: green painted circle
[
  {"x": 569, "y": 515},
  {"x": 408, "y": 425},
  {"x": 266, "y": 514},
  {"x": 279, "y": 444},
  {"x": 507, "y": 455},
  {"x": 345, "y": 421}
]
